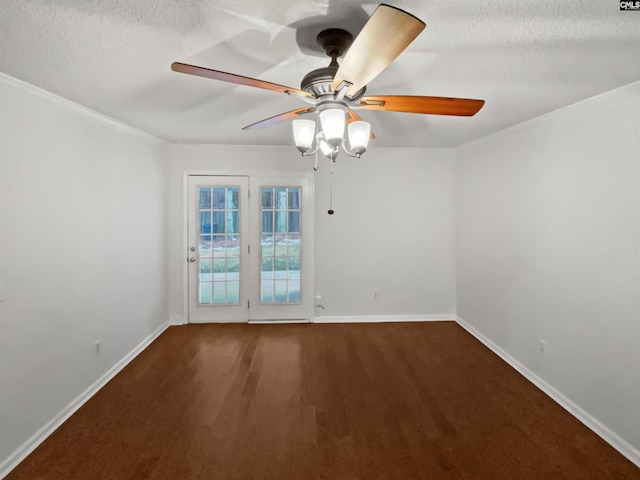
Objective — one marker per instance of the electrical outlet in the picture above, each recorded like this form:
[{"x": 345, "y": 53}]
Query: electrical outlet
[
  {"x": 544, "y": 347},
  {"x": 97, "y": 345}
]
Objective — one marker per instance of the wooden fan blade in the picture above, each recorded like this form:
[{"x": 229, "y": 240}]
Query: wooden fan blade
[
  {"x": 267, "y": 122},
  {"x": 233, "y": 78},
  {"x": 461, "y": 107},
  {"x": 354, "y": 117},
  {"x": 386, "y": 35}
]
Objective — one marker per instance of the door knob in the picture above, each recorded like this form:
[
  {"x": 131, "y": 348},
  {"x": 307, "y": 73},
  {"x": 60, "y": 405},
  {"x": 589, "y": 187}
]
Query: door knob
[{"x": 192, "y": 259}]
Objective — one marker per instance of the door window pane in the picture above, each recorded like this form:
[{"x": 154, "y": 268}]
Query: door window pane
[
  {"x": 233, "y": 245},
  {"x": 294, "y": 199},
  {"x": 205, "y": 223},
  {"x": 294, "y": 221},
  {"x": 233, "y": 292},
  {"x": 233, "y": 198},
  {"x": 267, "y": 221},
  {"x": 219, "y": 220},
  {"x": 267, "y": 198},
  {"x": 233, "y": 225},
  {"x": 280, "y": 245},
  {"x": 219, "y": 259},
  {"x": 205, "y": 197},
  {"x": 218, "y": 198}
]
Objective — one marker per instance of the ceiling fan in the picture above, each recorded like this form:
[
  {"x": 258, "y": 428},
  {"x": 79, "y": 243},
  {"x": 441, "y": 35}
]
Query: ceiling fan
[{"x": 336, "y": 91}]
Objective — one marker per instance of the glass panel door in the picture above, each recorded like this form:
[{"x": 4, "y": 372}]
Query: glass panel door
[
  {"x": 219, "y": 250},
  {"x": 280, "y": 245},
  {"x": 249, "y": 257},
  {"x": 283, "y": 263},
  {"x": 218, "y": 246}
]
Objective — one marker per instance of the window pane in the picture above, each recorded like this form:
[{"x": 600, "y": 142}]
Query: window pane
[
  {"x": 205, "y": 293},
  {"x": 218, "y": 222},
  {"x": 218, "y": 198},
  {"x": 233, "y": 265},
  {"x": 267, "y": 291},
  {"x": 281, "y": 220},
  {"x": 267, "y": 198},
  {"x": 219, "y": 292},
  {"x": 219, "y": 245},
  {"x": 293, "y": 266},
  {"x": 233, "y": 224},
  {"x": 294, "y": 198},
  {"x": 280, "y": 291},
  {"x": 281, "y": 266},
  {"x": 233, "y": 245},
  {"x": 233, "y": 292},
  {"x": 266, "y": 246},
  {"x": 294, "y": 240},
  {"x": 267, "y": 266},
  {"x": 206, "y": 246},
  {"x": 281, "y": 249},
  {"x": 280, "y": 198},
  {"x": 294, "y": 290},
  {"x": 294, "y": 221},
  {"x": 206, "y": 265},
  {"x": 267, "y": 222},
  {"x": 232, "y": 198},
  {"x": 205, "y": 222},
  {"x": 219, "y": 268},
  {"x": 205, "y": 198}
]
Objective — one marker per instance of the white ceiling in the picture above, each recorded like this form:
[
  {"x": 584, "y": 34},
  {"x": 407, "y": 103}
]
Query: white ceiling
[{"x": 525, "y": 58}]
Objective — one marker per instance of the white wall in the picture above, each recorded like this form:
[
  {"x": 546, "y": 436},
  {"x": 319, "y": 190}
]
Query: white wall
[
  {"x": 548, "y": 247},
  {"x": 82, "y": 253},
  {"x": 393, "y": 230}
]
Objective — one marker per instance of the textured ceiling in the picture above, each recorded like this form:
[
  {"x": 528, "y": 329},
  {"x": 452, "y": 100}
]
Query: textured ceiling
[{"x": 525, "y": 58}]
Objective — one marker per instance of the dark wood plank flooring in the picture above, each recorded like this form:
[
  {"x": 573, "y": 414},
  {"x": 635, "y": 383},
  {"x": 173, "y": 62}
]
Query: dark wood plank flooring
[{"x": 377, "y": 401}]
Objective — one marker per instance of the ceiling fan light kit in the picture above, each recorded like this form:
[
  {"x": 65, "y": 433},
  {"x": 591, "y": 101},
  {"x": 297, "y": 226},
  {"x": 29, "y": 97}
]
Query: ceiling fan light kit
[
  {"x": 304, "y": 133},
  {"x": 332, "y": 120},
  {"x": 335, "y": 91}
]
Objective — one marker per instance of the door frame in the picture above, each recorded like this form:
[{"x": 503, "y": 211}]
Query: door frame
[{"x": 310, "y": 264}]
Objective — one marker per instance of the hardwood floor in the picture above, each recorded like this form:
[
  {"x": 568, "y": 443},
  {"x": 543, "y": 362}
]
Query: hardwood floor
[{"x": 358, "y": 401}]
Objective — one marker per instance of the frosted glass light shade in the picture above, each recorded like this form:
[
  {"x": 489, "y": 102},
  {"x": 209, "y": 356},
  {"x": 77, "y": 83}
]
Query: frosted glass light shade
[
  {"x": 332, "y": 121},
  {"x": 359, "y": 133},
  {"x": 303, "y": 133}
]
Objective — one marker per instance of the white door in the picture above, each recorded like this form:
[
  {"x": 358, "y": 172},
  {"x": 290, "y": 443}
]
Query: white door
[
  {"x": 250, "y": 248},
  {"x": 217, "y": 251},
  {"x": 282, "y": 264}
]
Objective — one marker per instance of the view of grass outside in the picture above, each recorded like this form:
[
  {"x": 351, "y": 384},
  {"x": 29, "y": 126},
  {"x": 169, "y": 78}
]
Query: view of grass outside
[{"x": 219, "y": 250}]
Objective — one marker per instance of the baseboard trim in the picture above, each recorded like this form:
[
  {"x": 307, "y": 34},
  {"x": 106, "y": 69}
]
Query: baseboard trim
[
  {"x": 37, "y": 438},
  {"x": 384, "y": 318},
  {"x": 278, "y": 322},
  {"x": 608, "y": 435}
]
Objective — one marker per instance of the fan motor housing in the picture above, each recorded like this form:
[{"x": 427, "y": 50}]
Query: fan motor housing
[
  {"x": 319, "y": 83},
  {"x": 334, "y": 41}
]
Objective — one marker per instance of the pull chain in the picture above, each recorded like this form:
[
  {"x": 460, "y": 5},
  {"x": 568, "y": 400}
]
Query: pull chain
[{"x": 330, "y": 211}]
